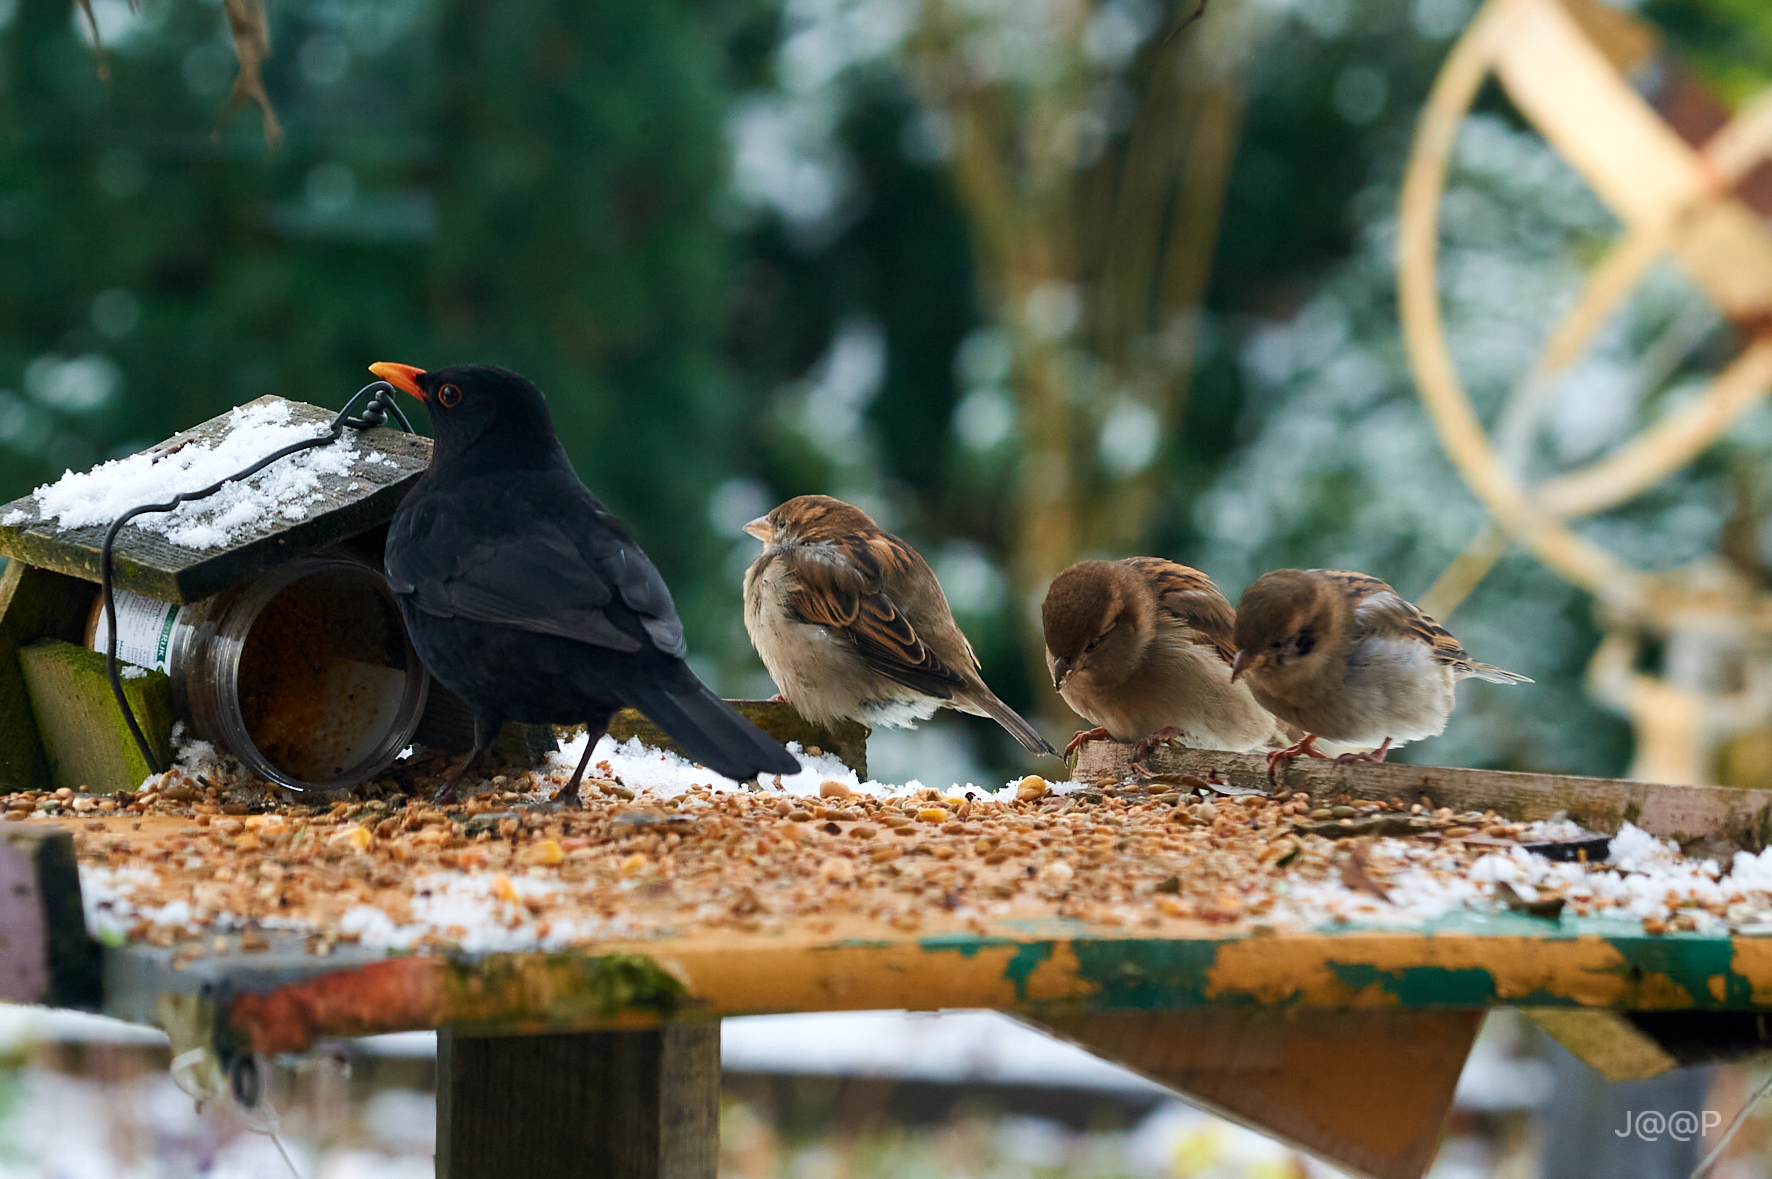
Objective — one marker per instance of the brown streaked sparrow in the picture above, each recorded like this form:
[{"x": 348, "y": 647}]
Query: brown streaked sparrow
[
  {"x": 1141, "y": 648},
  {"x": 852, "y": 624},
  {"x": 1343, "y": 657}
]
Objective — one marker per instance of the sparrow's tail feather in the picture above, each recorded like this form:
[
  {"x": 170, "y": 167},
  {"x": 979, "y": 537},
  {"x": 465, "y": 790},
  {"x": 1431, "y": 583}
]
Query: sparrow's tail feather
[
  {"x": 1496, "y": 675},
  {"x": 712, "y": 731},
  {"x": 986, "y": 704}
]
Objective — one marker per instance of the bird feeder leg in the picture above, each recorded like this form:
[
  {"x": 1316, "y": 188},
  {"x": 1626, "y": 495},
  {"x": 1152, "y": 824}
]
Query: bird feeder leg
[{"x": 593, "y": 1105}]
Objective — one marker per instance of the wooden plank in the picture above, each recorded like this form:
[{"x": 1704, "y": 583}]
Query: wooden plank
[
  {"x": 1707, "y": 819},
  {"x": 283, "y": 1000},
  {"x": 85, "y": 738},
  {"x": 614, "y": 1105},
  {"x": 34, "y": 604},
  {"x": 1366, "y": 1091},
  {"x": 847, "y": 739},
  {"x": 45, "y": 955},
  {"x": 147, "y": 563}
]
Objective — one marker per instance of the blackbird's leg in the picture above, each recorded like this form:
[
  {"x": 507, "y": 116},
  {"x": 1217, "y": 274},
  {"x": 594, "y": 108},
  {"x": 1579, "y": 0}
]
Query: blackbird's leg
[
  {"x": 1369, "y": 755},
  {"x": 595, "y": 726},
  {"x": 486, "y": 727},
  {"x": 1168, "y": 735},
  {"x": 568, "y": 795},
  {"x": 1306, "y": 747},
  {"x": 446, "y": 792},
  {"x": 1096, "y": 734}
]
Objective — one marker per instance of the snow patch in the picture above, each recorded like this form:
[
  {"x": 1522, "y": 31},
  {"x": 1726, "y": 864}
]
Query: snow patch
[{"x": 283, "y": 491}]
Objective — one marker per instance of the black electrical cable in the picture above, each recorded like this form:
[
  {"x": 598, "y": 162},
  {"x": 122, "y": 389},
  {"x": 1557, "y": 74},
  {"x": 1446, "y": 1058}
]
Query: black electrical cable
[{"x": 375, "y": 413}]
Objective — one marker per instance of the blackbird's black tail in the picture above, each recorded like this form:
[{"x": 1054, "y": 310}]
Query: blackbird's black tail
[{"x": 711, "y": 730}]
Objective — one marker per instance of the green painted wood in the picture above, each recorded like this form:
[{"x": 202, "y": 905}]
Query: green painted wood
[
  {"x": 85, "y": 738},
  {"x": 34, "y": 604},
  {"x": 148, "y": 564},
  {"x": 847, "y": 739}
]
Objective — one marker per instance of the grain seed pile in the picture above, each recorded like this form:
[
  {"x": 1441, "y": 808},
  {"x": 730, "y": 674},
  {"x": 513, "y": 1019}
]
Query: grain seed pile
[{"x": 200, "y": 859}]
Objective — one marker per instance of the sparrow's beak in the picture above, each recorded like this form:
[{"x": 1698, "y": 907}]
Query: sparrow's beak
[
  {"x": 1242, "y": 663},
  {"x": 401, "y": 376},
  {"x": 1061, "y": 671},
  {"x": 761, "y": 528}
]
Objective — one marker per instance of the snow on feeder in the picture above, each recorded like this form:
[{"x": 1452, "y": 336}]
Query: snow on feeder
[{"x": 259, "y": 616}]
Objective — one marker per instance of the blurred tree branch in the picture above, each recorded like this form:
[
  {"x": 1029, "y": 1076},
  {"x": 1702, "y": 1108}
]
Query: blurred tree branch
[
  {"x": 250, "y": 31},
  {"x": 1094, "y": 257}
]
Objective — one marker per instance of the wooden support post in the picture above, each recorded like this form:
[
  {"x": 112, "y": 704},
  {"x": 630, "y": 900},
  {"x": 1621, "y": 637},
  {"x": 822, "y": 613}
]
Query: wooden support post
[
  {"x": 45, "y": 955},
  {"x": 595, "y": 1105},
  {"x": 1365, "y": 1090}
]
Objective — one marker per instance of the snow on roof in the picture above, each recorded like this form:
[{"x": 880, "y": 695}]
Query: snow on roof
[{"x": 283, "y": 491}]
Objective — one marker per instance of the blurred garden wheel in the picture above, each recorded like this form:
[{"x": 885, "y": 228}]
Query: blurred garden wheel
[{"x": 1560, "y": 63}]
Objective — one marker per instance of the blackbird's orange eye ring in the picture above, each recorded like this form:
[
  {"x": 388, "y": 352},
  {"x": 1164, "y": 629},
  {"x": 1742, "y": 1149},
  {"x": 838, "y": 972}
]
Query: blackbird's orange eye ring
[{"x": 449, "y": 396}]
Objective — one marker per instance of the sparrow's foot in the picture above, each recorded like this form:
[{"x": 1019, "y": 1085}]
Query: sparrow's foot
[
  {"x": 1306, "y": 747},
  {"x": 1369, "y": 755},
  {"x": 1169, "y": 735},
  {"x": 1095, "y": 734}
]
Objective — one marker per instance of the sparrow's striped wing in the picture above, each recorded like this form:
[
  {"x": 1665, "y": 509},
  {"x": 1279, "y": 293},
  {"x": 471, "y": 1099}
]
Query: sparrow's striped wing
[
  {"x": 1382, "y": 613},
  {"x": 1189, "y": 596},
  {"x": 842, "y": 586}
]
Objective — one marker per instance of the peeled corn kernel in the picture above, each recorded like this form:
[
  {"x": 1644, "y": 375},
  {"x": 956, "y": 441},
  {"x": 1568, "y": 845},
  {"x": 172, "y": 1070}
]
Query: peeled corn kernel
[
  {"x": 1029, "y": 788},
  {"x": 501, "y": 888},
  {"x": 633, "y": 865},
  {"x": 355, "y": 837},
  {"x": 932, "y": 814},
  {"x": 547, "y": 853}
]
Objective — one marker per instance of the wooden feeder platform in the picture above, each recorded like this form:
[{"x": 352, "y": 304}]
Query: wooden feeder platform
[{"x": 1345, "y": 1040}]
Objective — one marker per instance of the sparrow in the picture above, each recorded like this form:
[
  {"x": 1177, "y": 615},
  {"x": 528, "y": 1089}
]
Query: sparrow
[
  {"x": 1343, "y": 657},
  {"x": 1141, "y": 648},
  {"x": 852, "y": 624},
  {"x": 527, "y": 598}
]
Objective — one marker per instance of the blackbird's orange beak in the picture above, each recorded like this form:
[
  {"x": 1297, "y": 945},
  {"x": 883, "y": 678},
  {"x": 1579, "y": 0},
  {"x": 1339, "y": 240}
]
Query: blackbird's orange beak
[{"x": 401, "y": 376}]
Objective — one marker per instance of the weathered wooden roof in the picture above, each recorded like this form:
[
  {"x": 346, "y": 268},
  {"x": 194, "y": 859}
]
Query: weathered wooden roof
[{"x": 147, "y": 563}]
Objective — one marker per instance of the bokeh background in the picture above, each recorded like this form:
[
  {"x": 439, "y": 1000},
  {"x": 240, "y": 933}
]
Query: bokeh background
[{"x": 1031, "y": 280}]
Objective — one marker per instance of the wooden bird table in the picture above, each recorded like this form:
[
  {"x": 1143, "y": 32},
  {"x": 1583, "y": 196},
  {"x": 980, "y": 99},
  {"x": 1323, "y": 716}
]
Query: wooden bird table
[{"x": 602, "y": 1058}]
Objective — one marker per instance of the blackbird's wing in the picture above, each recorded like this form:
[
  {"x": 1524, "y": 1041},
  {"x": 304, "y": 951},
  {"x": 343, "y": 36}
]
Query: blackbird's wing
[
  {"x": 841, "y": 585},
  {"x": 1189, "y": 596},
  {"x": 570, "y": 570}
]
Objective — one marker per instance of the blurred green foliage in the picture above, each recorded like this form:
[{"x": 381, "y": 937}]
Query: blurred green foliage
[{"x": 550, "y": 186}]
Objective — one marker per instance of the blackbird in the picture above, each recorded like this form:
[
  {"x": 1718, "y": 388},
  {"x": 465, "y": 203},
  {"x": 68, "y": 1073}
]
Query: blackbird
[{"x": 527, "y": 598}]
